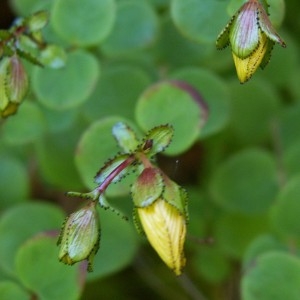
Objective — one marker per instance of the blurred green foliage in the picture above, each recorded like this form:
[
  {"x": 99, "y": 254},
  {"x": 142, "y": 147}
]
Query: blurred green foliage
[{"x": 236, "y": 149}]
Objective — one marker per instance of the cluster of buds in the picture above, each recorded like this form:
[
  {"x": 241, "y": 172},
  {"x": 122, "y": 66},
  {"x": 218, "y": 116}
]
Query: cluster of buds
[
  {"x": 160, "y": 205},
  {"x": 23, "y": 40},
  {"x": 251, "y": 36}
]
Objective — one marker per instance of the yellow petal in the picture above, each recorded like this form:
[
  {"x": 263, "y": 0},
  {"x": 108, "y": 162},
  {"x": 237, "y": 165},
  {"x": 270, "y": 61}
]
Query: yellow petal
[
  {"x": 165, "y": 229},
  {"x": 246, "y": 67}
]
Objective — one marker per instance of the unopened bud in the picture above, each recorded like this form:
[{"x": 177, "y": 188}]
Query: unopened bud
[{"x": 80, "y": 236}]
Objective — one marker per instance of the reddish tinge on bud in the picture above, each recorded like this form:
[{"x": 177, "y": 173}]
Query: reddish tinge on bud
[
  {"x": 80, "y": 236},
  {"x": 251, "y": 37}
]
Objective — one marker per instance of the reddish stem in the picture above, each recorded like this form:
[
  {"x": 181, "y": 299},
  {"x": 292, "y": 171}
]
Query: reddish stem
[{"x": 101, "y": 188}]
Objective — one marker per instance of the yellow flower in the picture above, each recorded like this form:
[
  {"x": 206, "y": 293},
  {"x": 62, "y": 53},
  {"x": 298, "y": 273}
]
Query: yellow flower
[
  {"x": 160, "y": 210},
  {"x": 165, "y": 229},
  {"x": 251, "y": 37}
]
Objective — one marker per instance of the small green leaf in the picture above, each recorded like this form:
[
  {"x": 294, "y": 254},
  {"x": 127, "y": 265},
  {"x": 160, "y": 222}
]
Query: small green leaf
[
  {"x": 37, "y": 21},
  {"x": 95, "y": 146},
  {"x": 125, "y": 137},
  {"x": 53, "y": 56},
  {"x": 160, "y": 137}
]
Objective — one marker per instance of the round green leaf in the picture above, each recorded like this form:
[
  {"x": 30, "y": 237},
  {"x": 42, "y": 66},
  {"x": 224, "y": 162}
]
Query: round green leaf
[
  {"x": 291, "y": 158},
  {"x": 246, "y": 183},
  {"x": 172, "y": 103},
  {"x": 215, "y": 94},
  {"x": 176, "y": 50},
  {"x": 26, "y": 127},
  {"x": 83, "y": 23},
  {"x": 58, "y": 121},
  {"x": 212, "y": 264},
  {"x": 254, "y": 107},
  {"x": 14, "y": 181},
  {"x": 55, "y": 157},
  {"x": 199, "y": 20},
  {"x": 285, "y": 212},
  {"x": 116, "y": 92},
  {"x": 10, "y": 290},
  {"x": 262, "y": 244},
  {"x": 136, "y": 27},
  {"x": 20, "y": 223},
  {"x": 24, "y": 7},
  {"x": 111, "y": 257},
  {"x": 67, "y": 87},
  {"x": 234, "y": 232},
  {"x": 289, "y": 124},
  {"x": 96, "y": 146},
  {"x": 40, "y": 271},
  {"x": 275, "y": 276}
]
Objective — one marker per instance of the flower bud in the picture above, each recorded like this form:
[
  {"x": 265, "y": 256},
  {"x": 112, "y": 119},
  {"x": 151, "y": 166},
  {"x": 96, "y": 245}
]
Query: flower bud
[
  {"x": 161, "y": 214},
  {"x": 13, "y": 84},
  {"x": 252, "y": 37},
  {"x": 80, "y": 236}
]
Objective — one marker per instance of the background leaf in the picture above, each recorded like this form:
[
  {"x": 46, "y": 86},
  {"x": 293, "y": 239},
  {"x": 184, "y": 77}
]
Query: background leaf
[
  {"x": 88, "y": 24},
  {"x": 52, "y": 281},
  {"x": 68, "y": 87},
  {"x": 162, "y": 104}
]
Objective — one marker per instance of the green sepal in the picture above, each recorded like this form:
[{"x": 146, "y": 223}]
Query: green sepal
[
  {"x": 37, "y": 21},
  {"x": 157, "y": 140},
  {"x": 125, "y": 137},
  {"x": 175, "y": 195},
  {"x": 267, "y": 27},
  {"x": 53, "y": 56},
  {"x": 29, "y": 57},
  {"x": 223, "y": 38},
  {"x": 147, "y": 188},
  {"x": 104, "y": 204},
  {"x": 111, "y": 166},
  {"x": 267, "y": 56},
  {"x": 244, "y": 31},
  {"x": 137, "y": 222}
]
